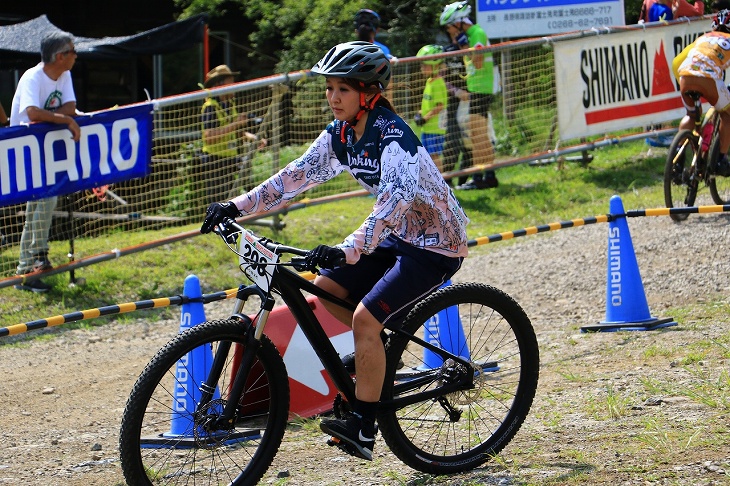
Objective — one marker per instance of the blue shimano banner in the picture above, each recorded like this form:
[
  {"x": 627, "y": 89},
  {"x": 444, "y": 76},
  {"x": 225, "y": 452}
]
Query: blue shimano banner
[{"x": 42, "y": 160}]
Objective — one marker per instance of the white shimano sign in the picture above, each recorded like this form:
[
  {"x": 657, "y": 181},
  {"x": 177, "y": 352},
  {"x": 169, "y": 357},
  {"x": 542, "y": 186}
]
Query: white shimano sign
[{"x": 506, "y": 19}]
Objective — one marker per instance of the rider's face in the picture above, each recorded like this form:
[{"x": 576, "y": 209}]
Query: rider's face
[
  {"x": 453, "y": 30},
  {"x": 342, "y": 98}
]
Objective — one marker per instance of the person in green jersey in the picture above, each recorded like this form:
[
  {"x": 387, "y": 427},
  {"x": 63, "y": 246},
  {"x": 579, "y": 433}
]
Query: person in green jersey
[{"x": 480, "y": 83}]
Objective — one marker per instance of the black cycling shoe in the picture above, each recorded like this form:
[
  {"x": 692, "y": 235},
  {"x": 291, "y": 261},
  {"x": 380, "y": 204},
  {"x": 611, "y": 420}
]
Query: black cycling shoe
[
  {"x": 347, "y": 435},
  {"x": 723, "y": 167}
]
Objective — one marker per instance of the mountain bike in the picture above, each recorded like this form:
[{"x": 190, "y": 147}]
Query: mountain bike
[
  {"x": 451, "y": 399},
  {"x": 692, "y": 162}
]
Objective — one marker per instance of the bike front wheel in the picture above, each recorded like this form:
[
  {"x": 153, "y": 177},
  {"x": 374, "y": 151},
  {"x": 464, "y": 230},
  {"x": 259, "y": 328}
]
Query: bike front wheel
[
  {"x": 719, "y": 185},
  {"x": 680, "y": 178},
  {"x": 167, "y": 438},
  {"x": 460, "y": 430}
]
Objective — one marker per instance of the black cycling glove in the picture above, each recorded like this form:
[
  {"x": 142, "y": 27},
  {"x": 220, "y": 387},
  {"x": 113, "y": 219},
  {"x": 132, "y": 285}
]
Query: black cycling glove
[
  {"x": 217, "y": 213},
  {"x": 325, "y": 257}
]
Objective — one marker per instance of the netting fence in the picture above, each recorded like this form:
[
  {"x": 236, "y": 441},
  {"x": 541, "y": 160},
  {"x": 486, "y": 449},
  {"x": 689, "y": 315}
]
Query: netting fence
[{"x": 288, "y": 111}]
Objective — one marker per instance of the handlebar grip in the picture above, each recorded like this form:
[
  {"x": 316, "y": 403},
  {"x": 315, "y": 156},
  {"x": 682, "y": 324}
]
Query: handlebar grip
[{"x": 299, "y": 264}]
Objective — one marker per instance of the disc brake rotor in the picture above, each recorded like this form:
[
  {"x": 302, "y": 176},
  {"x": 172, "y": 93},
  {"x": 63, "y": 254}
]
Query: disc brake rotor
[{"x": 211, "y": 439}]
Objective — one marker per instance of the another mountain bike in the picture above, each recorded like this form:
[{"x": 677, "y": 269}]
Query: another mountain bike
[
  {"x": 451, "y": 400},
  {"x": 692, "y": 162}
]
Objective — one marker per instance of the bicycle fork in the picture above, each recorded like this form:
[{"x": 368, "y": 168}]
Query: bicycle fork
[{"x": 226, "y": 420}]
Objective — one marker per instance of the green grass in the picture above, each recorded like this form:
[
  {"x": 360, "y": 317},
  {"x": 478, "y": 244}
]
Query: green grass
[{"x": 526, "y": 196}]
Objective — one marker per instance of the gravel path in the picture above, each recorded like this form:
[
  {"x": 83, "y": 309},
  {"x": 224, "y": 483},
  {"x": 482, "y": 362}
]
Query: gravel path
[{"x": 62, "y": 398}]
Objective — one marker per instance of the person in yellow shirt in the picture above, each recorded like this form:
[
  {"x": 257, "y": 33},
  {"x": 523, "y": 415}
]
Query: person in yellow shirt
[
  {"x": 222, "y": 129},
  {"x": 700, "y": 67},
  {"x": 432, "y": 116}
]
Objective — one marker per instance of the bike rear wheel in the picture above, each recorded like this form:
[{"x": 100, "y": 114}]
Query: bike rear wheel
[
  {"x": 461, "y": 430},
  {"x": 680, "y": 179},
  {"x": 720, "y": 189},
  {"x": 719, "y": 185},
  {"x": 165, "y": 438}
]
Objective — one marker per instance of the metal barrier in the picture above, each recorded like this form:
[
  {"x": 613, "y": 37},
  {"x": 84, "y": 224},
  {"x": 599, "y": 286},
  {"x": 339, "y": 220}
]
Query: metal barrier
[{"x": 529, "y": 230}]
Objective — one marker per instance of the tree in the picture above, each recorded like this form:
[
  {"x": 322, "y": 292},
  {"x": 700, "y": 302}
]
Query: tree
[{"x": 299, "y": 32}]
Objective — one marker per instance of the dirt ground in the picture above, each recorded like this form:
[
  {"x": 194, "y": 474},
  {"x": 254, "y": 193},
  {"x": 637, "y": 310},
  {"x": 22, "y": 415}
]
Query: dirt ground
[{"x": 611, "y": 408}]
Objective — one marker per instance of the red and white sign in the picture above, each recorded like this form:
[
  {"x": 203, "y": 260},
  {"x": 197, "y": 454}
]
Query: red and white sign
[
  {"x": 312, "y": 390},
  {"x": 620, "y": 80}
]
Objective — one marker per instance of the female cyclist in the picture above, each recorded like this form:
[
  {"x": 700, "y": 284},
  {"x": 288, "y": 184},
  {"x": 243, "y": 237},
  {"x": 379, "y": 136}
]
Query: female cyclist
[
  {"x": 700, "y": 67},
  {"x": 411, "y": 243}
]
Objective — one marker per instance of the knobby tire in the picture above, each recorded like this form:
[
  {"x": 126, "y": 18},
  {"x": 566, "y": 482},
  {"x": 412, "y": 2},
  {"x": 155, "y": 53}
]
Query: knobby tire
[
  {"x": 503, "y": 351},
  {"x": 152, "y": 455},
  {"x": 680, "y": 181}
]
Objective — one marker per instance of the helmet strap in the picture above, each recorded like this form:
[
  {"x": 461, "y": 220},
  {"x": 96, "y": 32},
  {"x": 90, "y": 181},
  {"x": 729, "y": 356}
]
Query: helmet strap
[{"x": 364, "y": 108}]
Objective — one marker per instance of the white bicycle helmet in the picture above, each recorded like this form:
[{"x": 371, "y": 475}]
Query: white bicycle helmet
[
  {"x": 455, "y": 12},
  {"x": 362, "y": 61}
]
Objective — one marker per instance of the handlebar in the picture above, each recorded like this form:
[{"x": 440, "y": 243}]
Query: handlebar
[{"x": 229, "y": 230}]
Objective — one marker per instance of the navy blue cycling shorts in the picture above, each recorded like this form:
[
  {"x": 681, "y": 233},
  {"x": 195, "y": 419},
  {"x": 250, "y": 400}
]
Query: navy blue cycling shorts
[{"x": 395, "y": 276}]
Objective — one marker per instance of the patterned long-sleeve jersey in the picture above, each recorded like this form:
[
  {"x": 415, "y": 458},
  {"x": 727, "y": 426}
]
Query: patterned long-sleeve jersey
[{"x": 412, "y": 200}]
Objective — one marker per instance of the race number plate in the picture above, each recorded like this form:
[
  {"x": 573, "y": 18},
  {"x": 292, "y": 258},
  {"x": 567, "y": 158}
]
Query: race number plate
[{"x": 256, "y": 260}]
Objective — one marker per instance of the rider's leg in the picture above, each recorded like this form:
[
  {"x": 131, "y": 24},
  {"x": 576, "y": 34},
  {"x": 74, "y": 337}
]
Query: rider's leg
[
  {"x": 369, "y": 355},
  {"x": 724, "y": 131},
  {"x": 413, "y": 273},
  {"x": 707, "y": 87},
  {"x": 722, "y": 167},
  {"x": 340, "y": 313},
  {"x": 722, "y": 105}
]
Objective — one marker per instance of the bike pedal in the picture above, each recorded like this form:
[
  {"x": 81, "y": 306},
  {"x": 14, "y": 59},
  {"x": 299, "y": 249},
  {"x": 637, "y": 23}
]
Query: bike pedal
[
  {"x": 347, "y": 448},
  {"x": 342, "y": 445}
]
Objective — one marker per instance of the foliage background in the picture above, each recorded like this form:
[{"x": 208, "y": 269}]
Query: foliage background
[{"x": 289, "y": 35}]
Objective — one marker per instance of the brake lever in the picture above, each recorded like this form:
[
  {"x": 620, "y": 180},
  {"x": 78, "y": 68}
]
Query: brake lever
[{"x": 227, "y": 232}]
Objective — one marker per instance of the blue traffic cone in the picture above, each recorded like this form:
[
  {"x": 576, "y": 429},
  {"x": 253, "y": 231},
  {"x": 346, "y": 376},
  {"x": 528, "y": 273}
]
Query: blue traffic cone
[
  {"x": 626, "y": 305},
  {"x": 192, "y": 370},
  {"x": 445, "y": 331}
]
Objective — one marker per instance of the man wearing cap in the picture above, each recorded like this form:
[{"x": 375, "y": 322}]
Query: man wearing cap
[{"x": 222, "y": 128}]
